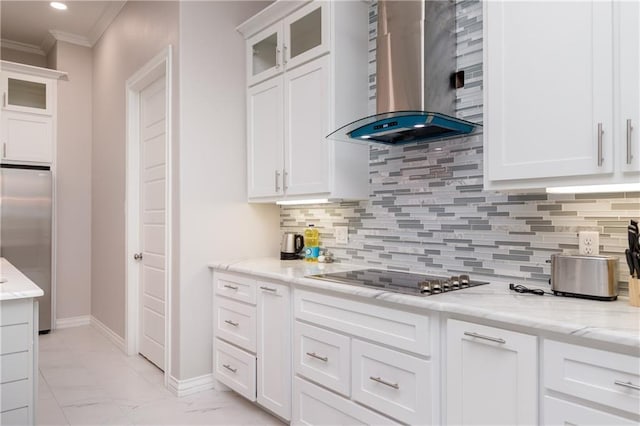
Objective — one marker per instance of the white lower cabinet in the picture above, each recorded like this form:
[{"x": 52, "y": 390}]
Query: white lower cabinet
[
  {"x": 18, "y": 361},
  {"x": 314, "y": 405},
  {"x": 235, "y": 368},
  {"x": 394, "y": 383},
  {"x": 274, "y": 348},
  {"x": 359, "y": 350},
  {"x": 252, "y": 339},
  {"x": 602, "y": 379},
  {"x": 492, "y": 375},
  {"x": 323, "y": 356},
  {"x": 560, "y": 413}
]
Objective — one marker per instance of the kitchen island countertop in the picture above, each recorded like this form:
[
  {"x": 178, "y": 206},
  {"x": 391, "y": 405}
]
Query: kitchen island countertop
[
  {"x": 614, "y": 322},
  {"x": 14, "y": 284}
]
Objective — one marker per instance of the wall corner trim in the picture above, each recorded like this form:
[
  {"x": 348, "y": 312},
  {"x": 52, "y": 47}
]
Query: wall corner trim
[
  {"x": 108, "y": 333},
  {"x": 73, "y": 321},
  {"x": 189, "y": 386}
]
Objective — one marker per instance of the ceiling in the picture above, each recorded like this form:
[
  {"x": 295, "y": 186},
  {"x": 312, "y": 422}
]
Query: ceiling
[{"x": 35, "y": 25}]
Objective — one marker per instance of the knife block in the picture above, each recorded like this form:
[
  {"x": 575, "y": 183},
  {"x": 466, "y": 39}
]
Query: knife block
[{"x": 634, "y": 291}]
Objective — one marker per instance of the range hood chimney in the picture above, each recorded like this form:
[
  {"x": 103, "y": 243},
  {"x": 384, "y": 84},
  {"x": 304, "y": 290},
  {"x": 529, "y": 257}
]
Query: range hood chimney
[{"x": 415, "y": 76}]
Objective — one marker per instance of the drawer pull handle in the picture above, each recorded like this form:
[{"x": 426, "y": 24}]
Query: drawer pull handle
[
  {"x": 228, "y": 367},
  {"x": 489, "y": 338},
  {"x": 316, "y": 356},
  {"x": 232, "y": 287},
  {"x": 384, "y": 382},
  {"x": 235, "y": 324},
  {"x": 627, "y": 384},
  {"x": 273, "y": 290}
]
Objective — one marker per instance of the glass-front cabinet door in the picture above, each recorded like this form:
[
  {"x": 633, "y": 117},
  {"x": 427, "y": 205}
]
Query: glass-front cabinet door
[
  {"x": 306, "y": 33},
  {"x": 264, "y": 54},
  {"x": 26, "y": 93}
]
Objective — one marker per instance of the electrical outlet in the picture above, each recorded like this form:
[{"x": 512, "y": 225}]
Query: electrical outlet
[
  {"x": 589, "y": 243},
  {"x": 342, "y": 234}
]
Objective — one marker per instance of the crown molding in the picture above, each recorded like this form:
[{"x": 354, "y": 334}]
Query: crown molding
[
  {"x": 71, "y": 38},
  {"x": 22, "y": 47},
  {"x": 33, "y": 70},
  {"x": 109, "y": 14}
]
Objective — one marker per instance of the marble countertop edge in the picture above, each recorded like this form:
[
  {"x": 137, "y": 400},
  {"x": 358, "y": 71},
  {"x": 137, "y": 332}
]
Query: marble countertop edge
[{"x": 606, "y": 322}]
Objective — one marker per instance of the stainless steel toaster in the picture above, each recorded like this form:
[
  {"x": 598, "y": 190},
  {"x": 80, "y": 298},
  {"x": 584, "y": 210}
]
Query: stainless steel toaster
[{"x": 590, "y": 277}]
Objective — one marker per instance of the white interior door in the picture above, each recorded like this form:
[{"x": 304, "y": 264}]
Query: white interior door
[{"x": 153, "y": 277}]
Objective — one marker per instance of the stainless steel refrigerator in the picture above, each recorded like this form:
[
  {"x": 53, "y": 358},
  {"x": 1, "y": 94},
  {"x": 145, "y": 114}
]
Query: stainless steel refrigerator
[{"x": 25, "y": 227}]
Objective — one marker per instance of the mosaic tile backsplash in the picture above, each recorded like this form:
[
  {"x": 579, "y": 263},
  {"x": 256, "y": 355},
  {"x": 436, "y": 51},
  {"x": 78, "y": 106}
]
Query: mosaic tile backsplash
[{"x": 427, "y": 210}]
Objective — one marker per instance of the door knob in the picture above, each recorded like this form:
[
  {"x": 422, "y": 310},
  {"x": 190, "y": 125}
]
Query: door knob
[{"x": 137, "y": 256}]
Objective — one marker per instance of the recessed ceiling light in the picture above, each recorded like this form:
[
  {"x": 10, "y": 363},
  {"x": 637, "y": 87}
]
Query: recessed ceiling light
[{"x": 58, "y": 5}]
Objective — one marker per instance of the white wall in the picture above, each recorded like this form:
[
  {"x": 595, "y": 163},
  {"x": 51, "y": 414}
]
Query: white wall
[
  {"x": 139, "y": 32},
  {"x": 73, "y": 181},
  {"x": 216, "y": 222}
]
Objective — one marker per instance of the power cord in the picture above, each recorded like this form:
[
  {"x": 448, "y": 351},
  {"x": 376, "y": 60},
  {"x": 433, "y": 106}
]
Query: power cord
[{"x": 522, "y": 289}]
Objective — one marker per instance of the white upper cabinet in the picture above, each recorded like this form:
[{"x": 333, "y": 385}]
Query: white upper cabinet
[
  {"x": 550, "y": 91},
  {"x": 306, "y": 34},
  {"x": 300, "y": 37},
  {"x": 28, "y": 118},
  {"x": 307, "y": 74},
  {"x": 627, "y": 14},
  {"x": 306, "y": 123},
  {"x": 26, "y": 93}
]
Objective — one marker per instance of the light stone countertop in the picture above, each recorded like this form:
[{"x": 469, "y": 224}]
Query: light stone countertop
[
  {"x": 16, "y": 285},
  {"x": 614, "y": 322}
]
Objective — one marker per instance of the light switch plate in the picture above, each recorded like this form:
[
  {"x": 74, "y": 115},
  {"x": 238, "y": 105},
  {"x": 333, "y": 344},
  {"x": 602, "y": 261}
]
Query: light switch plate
[{"x": 342, "y": 234}]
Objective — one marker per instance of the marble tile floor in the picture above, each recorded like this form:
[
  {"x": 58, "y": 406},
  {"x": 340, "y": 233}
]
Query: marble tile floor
[{"x": 86, "y": 380}]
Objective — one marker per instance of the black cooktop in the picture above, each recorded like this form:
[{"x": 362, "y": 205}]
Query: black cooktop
[{"x": 400, "y": 282}]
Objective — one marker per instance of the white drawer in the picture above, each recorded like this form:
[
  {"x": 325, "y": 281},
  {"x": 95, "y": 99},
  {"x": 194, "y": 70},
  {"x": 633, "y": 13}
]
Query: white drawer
[
  {"x": 15, "y": 338},
  {"x": 236, "y": 323},
  {"x": 236, "y": 369},
  {"x": 561, "y": 413},
  {"x": 236, "y": 287},
  {"x": 15, "y": 394},
  {"x": 604, "y": 377},
  {"x": 322, "y": 356},
  {"x": 313, "y": 405},
  {"x": 15, "y": 417},
  {"x": 404, "y": 330},
  {"x": 393, "y": 383},
  {"x": 15, "y": 311},
  {"x": 14, "y": 366}
]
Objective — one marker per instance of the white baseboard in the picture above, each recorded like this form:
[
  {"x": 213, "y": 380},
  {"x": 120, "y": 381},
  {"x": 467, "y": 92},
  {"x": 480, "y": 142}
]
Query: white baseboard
[
  {"x": 189, "y": 386},
  {"x": 108, "y": 333},
  {"x": 73, "y": 321}
]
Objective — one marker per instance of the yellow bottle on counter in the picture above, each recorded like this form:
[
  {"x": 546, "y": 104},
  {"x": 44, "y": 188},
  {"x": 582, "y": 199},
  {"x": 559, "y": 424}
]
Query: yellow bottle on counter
[{"x": 311, "y": 244}]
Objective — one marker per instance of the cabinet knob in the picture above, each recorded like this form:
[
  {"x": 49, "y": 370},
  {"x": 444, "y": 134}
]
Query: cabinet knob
[{"x": 137, "y": 256}]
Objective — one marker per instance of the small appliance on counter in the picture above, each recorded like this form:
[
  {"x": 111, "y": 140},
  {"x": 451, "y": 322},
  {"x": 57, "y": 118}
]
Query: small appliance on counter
[
  {"x": 588, "y": 277},
  {"x": 291, "y": 246}
]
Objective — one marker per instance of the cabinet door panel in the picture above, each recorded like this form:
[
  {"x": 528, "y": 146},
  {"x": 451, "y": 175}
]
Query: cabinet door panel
[
  {"x": 490, "y": 381},
  {"x": 264, "y": 138},
  {"x": 629, "y": 70},
  {"x": 274, "y": 348},
  {"x": 27, "y": 137},
  {"x": 26, "y": 93},
  {"x": 264, "y": 54},
  {"x": 306, "y": 124},
  {"x": 548, "y": 85},
  {"x": 306, "y": 34}
]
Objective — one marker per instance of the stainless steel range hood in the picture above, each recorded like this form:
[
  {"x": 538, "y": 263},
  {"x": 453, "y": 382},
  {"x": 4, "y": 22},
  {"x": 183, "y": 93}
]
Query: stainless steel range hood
[{"x": 415, "y": 76}]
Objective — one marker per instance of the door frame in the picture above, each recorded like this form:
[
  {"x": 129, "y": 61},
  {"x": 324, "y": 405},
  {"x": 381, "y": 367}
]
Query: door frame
[{"x": 157, "y": 67}]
